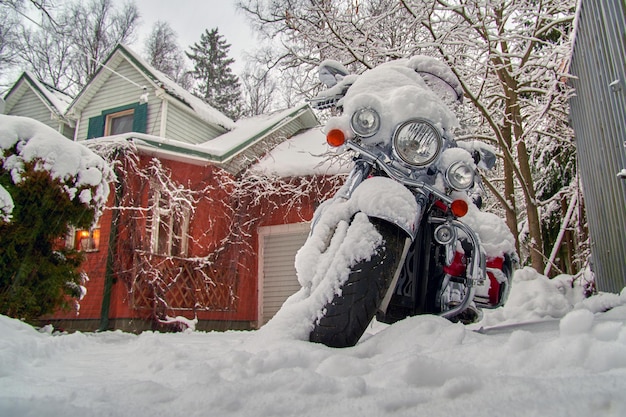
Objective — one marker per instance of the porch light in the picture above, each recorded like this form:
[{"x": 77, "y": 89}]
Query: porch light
[{"x": 87, "y": 240}]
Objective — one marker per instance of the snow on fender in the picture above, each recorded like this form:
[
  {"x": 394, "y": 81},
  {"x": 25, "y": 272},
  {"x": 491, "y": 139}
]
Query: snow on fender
[
  {"x": 386, "y": 199},
  {"x": 342, "y": 236}
]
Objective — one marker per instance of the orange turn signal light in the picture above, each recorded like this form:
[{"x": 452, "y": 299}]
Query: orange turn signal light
[
  {"x": 335, "y": 138},
  {"x": 459, "y": 208}
]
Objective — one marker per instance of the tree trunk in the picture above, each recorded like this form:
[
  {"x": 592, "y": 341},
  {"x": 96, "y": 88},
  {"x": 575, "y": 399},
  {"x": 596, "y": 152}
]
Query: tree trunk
[
  {"x": 509, "y": 188},
  {"x": 532, "y": 210}
]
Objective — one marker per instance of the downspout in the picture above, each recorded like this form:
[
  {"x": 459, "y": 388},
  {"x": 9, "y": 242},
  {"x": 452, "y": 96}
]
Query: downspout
[{"x": 111, "y": 249}]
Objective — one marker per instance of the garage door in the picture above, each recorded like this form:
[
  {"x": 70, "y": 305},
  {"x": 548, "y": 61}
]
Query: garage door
[{"x": 279, "y": 245}]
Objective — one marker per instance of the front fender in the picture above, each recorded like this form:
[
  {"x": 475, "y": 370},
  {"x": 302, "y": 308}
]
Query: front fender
[{"x": 378, "y": 197}]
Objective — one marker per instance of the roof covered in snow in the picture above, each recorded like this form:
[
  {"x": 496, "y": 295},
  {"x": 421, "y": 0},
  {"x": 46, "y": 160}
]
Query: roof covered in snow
[
  {"x": 253, "y": 128},
  {"x": 155, "y": 79},
  {"x": 56, "y": 100}
]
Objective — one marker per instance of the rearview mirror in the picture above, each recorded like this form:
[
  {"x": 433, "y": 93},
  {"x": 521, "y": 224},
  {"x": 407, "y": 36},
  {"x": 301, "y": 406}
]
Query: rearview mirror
[{"x": 330, "y": 72}]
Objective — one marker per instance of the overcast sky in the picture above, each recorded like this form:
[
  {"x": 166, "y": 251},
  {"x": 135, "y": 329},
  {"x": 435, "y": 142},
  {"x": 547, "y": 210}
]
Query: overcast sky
[{"x": 189, "y": 19}]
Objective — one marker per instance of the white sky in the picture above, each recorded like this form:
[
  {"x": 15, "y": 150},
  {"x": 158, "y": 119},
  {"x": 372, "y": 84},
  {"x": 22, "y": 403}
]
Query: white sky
[{"x": 190, "y": 18}]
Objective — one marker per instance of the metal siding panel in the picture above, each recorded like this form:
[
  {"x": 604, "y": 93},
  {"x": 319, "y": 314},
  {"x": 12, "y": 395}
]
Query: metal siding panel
[{"x": 599, "y": 118}]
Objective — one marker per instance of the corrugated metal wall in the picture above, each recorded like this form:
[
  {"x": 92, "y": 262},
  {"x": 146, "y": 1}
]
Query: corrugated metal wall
[{"x": 598, "y": 114}]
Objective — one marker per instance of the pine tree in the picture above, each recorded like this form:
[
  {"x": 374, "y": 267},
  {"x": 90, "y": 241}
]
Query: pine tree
[
  {"x": 217, "y": 85},
  {"x": 36, "y": 273}
]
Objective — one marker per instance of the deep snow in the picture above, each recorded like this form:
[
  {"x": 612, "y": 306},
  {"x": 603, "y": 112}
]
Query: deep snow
[{"x": 568, "y": 358}]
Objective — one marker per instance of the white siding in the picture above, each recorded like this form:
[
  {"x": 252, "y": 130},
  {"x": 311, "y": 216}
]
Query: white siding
[
  {"x": 277, "y": 273},
  {"x": 30, "y": 105},
  {"x": 183, "y": 126},
  {"x": 116, "y": 92}
]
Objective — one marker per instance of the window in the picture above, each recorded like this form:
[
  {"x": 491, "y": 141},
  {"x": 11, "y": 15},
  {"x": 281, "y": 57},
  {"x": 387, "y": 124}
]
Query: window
[
  {"x": 120, "y": 122},
  {"x": 170, "y": 223},
  {"x": 84, "y": 240},
  {"x": 128, "y": 118}
]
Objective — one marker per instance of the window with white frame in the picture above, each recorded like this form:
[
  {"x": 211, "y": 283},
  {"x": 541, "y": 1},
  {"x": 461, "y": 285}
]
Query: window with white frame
[
  {"x": 170, "y": 224},
  {"x": 120, "y": 122},
  {"x": 86, "y": 240}
]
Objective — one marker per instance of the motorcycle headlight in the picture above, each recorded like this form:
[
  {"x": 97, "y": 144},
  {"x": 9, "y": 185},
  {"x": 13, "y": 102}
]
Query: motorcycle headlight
[
  {"x": 460, "y": 175},
  {"x": 417, "y": 142},
  {"x": 365, "y": 122}
]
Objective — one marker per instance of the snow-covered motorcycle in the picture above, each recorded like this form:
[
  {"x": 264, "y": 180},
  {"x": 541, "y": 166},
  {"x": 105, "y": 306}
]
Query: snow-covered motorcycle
[{"x": 404, "y": 235}]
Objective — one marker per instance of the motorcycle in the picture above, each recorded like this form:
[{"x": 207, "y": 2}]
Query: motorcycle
[{"x": 405, "y": 234}]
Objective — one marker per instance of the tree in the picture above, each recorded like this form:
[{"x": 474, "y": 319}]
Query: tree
[
  {"x": 216, "y": 83},
  {"x": 36, "y": 277},
  {"x": 163, "y": 53},
  {"x": 97, "y": 28},
  {"x": 8, "y": 38},
  {"x": 48, "y": 52},
  {"x": 518, "y": 52},
  {"x": 259, "y": 88},
  {"x": 67, "y": 49},
  {"x": 46, "y": 193},
  {"x": 511, "y": 58}
]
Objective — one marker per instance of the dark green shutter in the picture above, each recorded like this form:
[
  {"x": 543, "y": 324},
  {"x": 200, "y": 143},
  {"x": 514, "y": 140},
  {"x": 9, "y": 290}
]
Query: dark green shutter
[
  {"x": 96, "y": 127},
  {"x": 141, "y": 118}
]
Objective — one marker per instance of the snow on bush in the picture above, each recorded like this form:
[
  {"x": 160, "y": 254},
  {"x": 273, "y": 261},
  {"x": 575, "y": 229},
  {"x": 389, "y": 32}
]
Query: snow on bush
[
  {"x": 83, "y": 173},
  {"x": 6, "y": 205}
]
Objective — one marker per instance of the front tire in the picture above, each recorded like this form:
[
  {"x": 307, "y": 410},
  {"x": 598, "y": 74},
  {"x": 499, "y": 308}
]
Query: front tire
[{"x": 347, "y": 316}]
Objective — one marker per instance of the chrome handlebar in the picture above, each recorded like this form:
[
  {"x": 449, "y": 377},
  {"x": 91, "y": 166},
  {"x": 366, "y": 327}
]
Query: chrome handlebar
[{"x": 382, "y": 161}]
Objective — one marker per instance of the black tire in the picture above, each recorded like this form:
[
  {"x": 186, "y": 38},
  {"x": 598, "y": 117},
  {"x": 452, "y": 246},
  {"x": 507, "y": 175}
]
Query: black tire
[{"x": 347, "y": 316}]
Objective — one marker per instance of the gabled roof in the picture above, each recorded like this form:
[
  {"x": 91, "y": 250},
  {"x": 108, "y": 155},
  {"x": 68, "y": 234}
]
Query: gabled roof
[
  {"x": 155, "y": 79},
  {"x": 55, "y": 100}
]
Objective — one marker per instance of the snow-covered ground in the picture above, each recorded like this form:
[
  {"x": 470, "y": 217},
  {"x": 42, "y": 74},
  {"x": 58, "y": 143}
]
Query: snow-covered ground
[{"x": 566, "y": 358}]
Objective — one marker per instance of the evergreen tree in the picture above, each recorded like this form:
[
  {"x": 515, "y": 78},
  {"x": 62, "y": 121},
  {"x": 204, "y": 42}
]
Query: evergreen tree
[
  {"x": 216, "y": 83},
  {"x": 36, "y": 273},
  {"x": 47, "y": 184}
]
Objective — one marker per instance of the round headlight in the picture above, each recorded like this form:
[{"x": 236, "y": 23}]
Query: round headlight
[
  {"x": 460, "y": 175},
  {"x": 365, "y": 122},
  {"x": 444, "y": 234},
  {"x": 417, "y": 142}
]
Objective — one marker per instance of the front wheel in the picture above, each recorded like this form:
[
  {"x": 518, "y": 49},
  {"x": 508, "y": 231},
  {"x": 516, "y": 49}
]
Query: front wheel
[{"x": 349, "y": 313}]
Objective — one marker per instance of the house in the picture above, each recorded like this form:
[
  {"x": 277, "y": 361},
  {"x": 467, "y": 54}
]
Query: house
[
  {"x": 127, "y": 94},
  {"x": 32, "y": 98},
  {"x": 201, "y": 224}
]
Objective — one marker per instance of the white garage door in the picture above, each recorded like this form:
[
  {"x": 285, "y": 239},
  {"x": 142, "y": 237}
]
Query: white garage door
[{"x": 277, "y": 273}]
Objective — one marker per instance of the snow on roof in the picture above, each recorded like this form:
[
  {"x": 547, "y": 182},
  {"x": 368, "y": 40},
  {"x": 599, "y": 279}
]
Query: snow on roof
[
  {"x": 57, "y": 98},
  {"x": 303, "y": 154},
  {"x": 205, "y": 111},
  {"x": 247, "y": 129}
]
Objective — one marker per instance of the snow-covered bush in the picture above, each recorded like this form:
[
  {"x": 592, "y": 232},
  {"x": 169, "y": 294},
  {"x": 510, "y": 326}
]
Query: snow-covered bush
[{"x": 47, "y": 183}]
